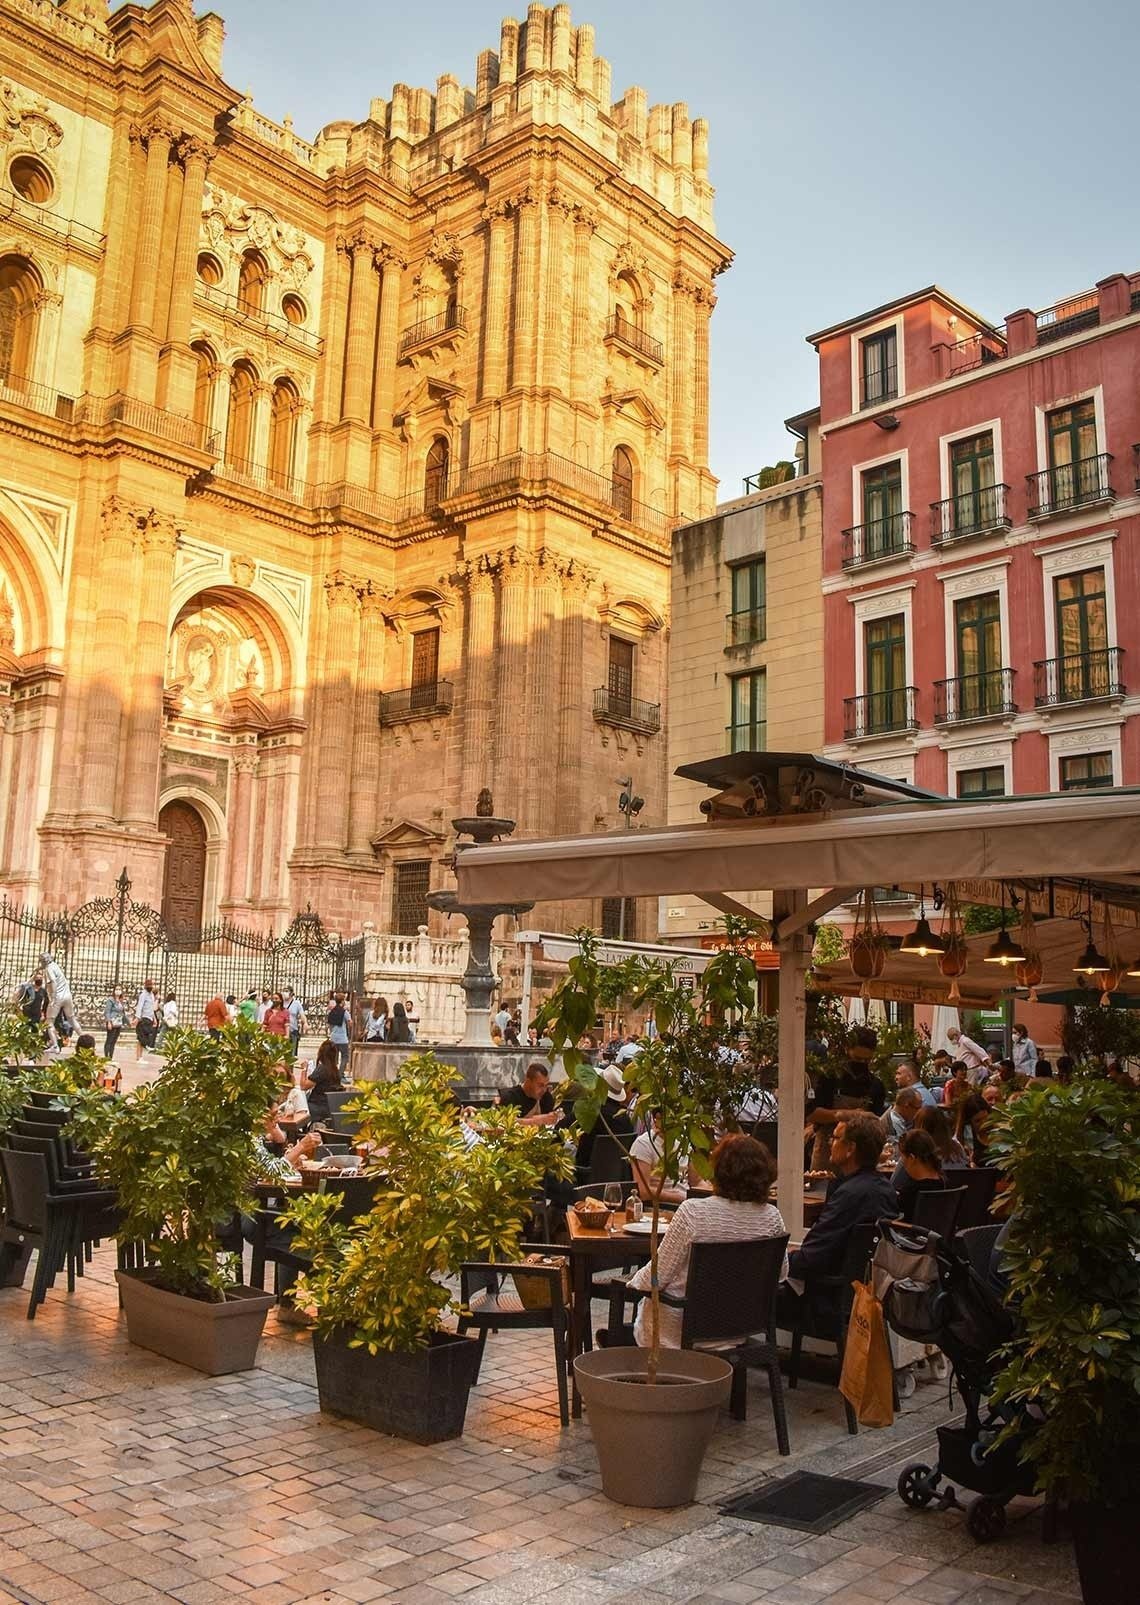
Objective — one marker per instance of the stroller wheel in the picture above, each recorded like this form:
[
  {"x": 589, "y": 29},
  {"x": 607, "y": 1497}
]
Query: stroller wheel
[
  {"x": 916, "y": 1486},
  {"x": 986, "y": 1520},
  {"x": 905, "y": 1383}
]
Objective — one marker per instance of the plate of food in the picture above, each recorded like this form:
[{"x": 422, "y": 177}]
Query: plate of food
[{"x": 644, "y": 1227}]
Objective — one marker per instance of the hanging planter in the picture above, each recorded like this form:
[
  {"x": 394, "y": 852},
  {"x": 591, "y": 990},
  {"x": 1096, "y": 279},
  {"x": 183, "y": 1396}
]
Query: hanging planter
[
  {"x": 869, "y": 944},
  {"x": 955, "y": 955},
  {"x": 1030, "y": 971},
  {"x": 1108, "y": 980}
]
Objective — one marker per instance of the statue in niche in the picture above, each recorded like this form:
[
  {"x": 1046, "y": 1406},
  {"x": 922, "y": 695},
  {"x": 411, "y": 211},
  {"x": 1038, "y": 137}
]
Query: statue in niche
[
  {"x": 249, "y": 664},
  {"x": 201, "y": 662}
]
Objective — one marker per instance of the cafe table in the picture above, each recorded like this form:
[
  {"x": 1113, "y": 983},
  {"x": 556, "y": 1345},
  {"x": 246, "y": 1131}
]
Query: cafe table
[{"x": 271, "y": 1196}]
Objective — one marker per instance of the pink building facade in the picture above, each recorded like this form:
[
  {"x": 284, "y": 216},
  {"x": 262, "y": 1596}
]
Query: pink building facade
[{"x": 981, "y": 552}]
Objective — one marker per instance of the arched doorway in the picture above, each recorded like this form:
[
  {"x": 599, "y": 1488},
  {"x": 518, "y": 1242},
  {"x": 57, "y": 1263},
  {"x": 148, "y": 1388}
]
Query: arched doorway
[{"x": 184, "y": 878}]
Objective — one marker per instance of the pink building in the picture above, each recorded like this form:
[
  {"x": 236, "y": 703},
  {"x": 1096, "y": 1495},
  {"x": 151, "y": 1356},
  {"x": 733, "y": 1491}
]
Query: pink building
[{"x": 981, "y": 554}]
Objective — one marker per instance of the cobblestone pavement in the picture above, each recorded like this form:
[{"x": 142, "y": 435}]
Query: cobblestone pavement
[{"x": 130, "y": 1479}]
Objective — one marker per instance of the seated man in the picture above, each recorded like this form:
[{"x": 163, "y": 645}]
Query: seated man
[
  {"x": 907, "y": 1076},
  {"x": 901, "y": 1118},
  {"x": 859, "y": 1194},
  {"x": 534, "y": 1099}
]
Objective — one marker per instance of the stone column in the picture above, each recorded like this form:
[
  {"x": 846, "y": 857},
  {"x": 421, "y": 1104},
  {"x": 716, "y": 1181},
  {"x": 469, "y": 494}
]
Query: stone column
[
  {"x": 178, "y": 373},
  {"x": 364, "y": 778},
  {"x": 479, "y": 665},
  {"x": 575, "y": 590},
  {"x": 112, "y": 293},
  {"x": 681, "y": 379},
  {"x": 703, "y": 304},
  {"x": 334, "y": 726},
  {"x": 148, "y": 239},
  {"x": 580, "y": 357},
  {"x": 147, "y": 671},
  {"x": 243, "y": 768},
  {"x": 360, "y": 344},
  {"x": 513, "y": 757},
  {"x": 497, "y": 218},
  {"x": 120, "y": 528},
  {"x": 387, "y": 353},
  {"x": 330, "y": 374},
  {"x": 555, "y": 364},
  {"x": 542, "y": 694},
  {"x": 524, "y": 339}
]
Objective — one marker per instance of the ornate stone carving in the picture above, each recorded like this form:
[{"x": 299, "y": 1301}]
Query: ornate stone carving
[
  {"x": 343, "y": 591},
  {"x": 232, "y": 225},
  {"x": 634, "y": 264},
  {"x": 192, "y": 149},
  {"x": 242, "y": 571},
  {"x": 25, "y": 120},
  {"x": 7, "y": 621}
]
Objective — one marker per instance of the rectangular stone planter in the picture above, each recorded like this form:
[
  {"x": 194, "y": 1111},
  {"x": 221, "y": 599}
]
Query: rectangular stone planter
[
  {"x": 421, "y": 1395},
  {"x": 214, "y": 1338}
]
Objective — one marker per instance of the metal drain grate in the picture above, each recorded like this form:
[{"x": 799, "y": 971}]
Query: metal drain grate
[{"x": 805, "y": 1500}]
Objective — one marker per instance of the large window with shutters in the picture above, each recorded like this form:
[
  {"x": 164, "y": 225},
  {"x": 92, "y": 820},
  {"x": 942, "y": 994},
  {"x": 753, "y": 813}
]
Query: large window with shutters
[
  {"x": 410, "y": 884},
  {"x": 748, "y": 620},
  {"x": 972, "y": 477},
  {"x": 619, "y": 679},
  {"x": 1083, "y": 668},
  {"x": 425, "y": 668},
  {"x": 884, "y": 648},
  {"x": 878, "y": 355},
  {"x": 748, "y": 727},
  {"x": 977, "y": 629}
]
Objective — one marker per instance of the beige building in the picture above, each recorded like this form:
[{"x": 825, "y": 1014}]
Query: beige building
[
  {"x": 337, "y": 479},
  {"x": 746, "y": 646}
]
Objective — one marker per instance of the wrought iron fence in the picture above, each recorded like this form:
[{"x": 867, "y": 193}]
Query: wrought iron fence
[{"x": 114, "y": 941}]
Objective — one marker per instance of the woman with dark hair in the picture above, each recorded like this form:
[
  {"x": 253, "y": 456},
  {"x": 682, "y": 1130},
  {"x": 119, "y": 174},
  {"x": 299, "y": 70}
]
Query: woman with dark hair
[
  {"x": 322, "y": 1078},
  {"x": 276, "y": 1020},
  {"x": 923, "y": 1168},
  {"x": 936, "y": 1125},
  {"x": 399, "y": 1030},
  {"x": 739, "y": 1209}
]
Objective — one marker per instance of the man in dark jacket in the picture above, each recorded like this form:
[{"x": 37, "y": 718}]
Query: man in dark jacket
[{"x": 857, "y": 1195}]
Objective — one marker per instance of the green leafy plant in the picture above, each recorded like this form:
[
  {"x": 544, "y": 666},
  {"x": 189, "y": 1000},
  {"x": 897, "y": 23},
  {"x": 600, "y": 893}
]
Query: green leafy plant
[
  {"x": 679, "y": 1071},
  {"x": 180, "y": 1152},
  {"x": 1072, "y": 1155},
  {"x": 1090, "y": 1033},
  {"x": 381, "y": 1277},
  {"x": 21, "y": 1040}
]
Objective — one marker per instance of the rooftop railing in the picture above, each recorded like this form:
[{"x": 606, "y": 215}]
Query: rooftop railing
[{"x": 1068, "y": 317}]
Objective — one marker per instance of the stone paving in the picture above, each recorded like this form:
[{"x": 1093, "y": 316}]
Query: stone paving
[{"x": 129, "y": 1479}]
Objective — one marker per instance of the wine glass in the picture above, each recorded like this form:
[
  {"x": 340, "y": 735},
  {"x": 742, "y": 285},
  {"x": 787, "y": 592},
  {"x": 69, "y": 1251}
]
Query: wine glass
[{"x": 611, "y": 1195}]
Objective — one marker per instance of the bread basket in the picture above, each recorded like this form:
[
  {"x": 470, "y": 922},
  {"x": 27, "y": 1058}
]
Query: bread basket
[{"x": 594, "y": 1217}]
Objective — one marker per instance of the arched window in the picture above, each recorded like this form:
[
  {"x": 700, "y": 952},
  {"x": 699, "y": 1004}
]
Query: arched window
[
  {"x": 621, "y": 482},
  {"x": 205, "y": 364},
  {"x": 239, "y": 425},
  {"x": 251, "y": 282},
  {"x": 19, "y": 291},
  {"x": 283, "y": 431},
  {"x": 627, "y": 303},
  {"x": 435, "y": 472}
]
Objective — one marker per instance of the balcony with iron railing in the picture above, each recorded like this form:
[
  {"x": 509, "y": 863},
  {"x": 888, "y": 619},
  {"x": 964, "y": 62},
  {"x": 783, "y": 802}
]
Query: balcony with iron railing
[
  {"x": 880, "y": 386},
  {"x": 974, "y": 512},
  {"x": 880, "y": 713},
  {"x": 1085, "y": 483},
  {"x": 16, "y": 391},
  {"x": 974, "y": 696},
  {"x": 434, "y": 697},
  {"x": 256, "y": 476},
  {"x": 127, "y": 410},
  {"x": 878, "y": 541},
  {"x": 258, "y": 318},
  {"x": 1068, "y": 317},
  {"x": 749, "y": 737},
  {"x": 747, "y": 626},
  {"x": 622, "y": 332},
  {"x": 428, "y": 331},
  {"x": 1093, "y": 676},
  {"x": 630, "y": 713},
  {"x": 45, "y": 220},
  {"x": 975, "y": 351}
]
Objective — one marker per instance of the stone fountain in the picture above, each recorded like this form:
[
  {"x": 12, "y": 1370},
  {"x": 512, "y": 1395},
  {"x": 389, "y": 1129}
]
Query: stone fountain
[{"x": 478, "y": 980}]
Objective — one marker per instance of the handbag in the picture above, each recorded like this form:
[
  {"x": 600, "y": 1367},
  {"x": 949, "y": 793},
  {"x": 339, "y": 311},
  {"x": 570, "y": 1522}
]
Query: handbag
[
  {"x": 867, "y": 1380},
  {"x": 916, "y": 1310},
  {"x": 534, "y": 1291}
]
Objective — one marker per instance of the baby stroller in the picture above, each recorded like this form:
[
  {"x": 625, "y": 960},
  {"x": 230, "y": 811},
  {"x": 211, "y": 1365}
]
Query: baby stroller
[{"x": 932, "y": 1293}]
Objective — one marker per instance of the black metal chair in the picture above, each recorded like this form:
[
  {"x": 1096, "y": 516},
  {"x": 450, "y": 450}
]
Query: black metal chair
[
  {"x": 978, "y": 1243},
  {"x": 357, "y": 1193},
  {"x": 489, "y": 1305},
  {"x": 937, "y": 1209},
  {"x": 337, "y": 1119},
  {"x": 729, "y": 1308},
  {"x": 824, "y": 1310},
  {"x": 57, "y": 1223},
  {"x": 980, "y": 1183}
]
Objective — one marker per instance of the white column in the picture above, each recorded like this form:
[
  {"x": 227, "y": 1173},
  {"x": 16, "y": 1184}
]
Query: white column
[{"x": 793, "y": 1014}]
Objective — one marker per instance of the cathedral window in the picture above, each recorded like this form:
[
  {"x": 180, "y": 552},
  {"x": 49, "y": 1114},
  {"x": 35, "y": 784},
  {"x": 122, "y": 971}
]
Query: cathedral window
[
  {"x": 204, "y": 362},
  {"x": 252, "y": 277},
  {"x": 239, "y": 426},
  {"x": 19, "y": 294},
  {"x": 31, "y": 179},
  {"x": 435, "y": 472},
  {"x": 621, "y": 482},
  {"x": 283, "y": 413}
]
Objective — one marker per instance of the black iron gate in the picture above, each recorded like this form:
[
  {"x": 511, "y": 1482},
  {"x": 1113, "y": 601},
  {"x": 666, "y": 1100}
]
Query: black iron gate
[{"x": 114, "y": 941}]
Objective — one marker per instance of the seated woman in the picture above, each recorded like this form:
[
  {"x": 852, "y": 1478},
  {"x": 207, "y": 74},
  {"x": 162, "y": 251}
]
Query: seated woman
[
  {"x": 294, "y": 1106},
  {"x": 936, "y": 1124},
  {"x": 923, "y": 1168},
  {"x": 322, "y": 1078},
  {"x": 743, "y": 1172},
  {"x": 646, "y": 1158}
]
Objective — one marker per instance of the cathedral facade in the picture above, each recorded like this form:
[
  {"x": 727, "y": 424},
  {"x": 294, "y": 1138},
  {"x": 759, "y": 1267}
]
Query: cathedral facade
[{"x": 337, "y": 479}]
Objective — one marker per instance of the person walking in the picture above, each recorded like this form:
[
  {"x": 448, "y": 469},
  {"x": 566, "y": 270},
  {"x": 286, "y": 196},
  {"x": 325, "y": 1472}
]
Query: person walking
[
  {"x": 60, "y": 1008},
  {"x": 276, "y": 1020},
  {"x": 114, "y": 1019},
  {"x": 145, "y": 1018},
  {"x": 297, "y": 1021},
  {"x": 169, "y": 1018},
  {"x": 376, "y": 1021},
  {"x": 337, "y": 1021},
  {"x": 217, "y": 1016}
]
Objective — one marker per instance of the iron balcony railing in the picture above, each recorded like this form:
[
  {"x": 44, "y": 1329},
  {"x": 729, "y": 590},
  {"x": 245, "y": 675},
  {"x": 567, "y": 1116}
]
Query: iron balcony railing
[
  {"x": 332, "y": 497},
  {"x": 1068, "y": 317},
  {"x": 878, "y": 713},
  {"x": 16, "y": 391},
  {"x": 256, "y": 476},
  {"x": 120, "y": 409},
  {"x": 1069, "y": 485},
  {"x": 629, "y": 335},
  {"x": 1079, "y": 677},
  {"x": 974, "y": 696},
  {"x": 451, "y": 319},
  {"x": 274, "y": 323},
  {"x": 750, "y": 737},
  {"x": 880, "y": 386},
  {"x": 974, "y": 512},
  {"x": 974, "y": 352},
  {"x": 616, "y": 707},
  {"x": 877, "y": 541},
  {"x": 416, "y": 702},
  {"x": 747, "y": 626}
]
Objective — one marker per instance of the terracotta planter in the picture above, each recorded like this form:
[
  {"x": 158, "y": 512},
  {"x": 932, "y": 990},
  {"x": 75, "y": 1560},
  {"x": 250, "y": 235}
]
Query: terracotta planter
[
  {"x": 651, "y": 1441},
  {"x": 1107, "y": 1543},
  {"x": 420, "y": 1395},
  {"x": 214, "y": 1338}
]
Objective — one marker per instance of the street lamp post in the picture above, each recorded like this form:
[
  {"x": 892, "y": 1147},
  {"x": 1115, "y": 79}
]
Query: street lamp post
[{"x": 630, "y": 805}]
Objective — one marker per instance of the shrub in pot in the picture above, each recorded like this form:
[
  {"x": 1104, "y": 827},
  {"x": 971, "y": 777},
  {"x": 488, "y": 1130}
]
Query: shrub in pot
[
  {"x": 652, "y": 1412},
  {"x": 21, "y": 1039},
  {"x": 180, "y": 1155},
  {"x": 377, "y": 1286},
  {"x": 1073, "y": 1260}
]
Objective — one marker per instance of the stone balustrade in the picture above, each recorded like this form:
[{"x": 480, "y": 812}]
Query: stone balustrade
[{"x": 425, "y": 969}]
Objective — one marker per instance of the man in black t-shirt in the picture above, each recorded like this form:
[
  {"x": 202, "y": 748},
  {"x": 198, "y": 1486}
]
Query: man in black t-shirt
[{"x": 533, "y": 1100}]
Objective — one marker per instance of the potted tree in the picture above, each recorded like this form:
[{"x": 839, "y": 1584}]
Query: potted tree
[
  {"x": 377, "y": 1285},
  {"x": 1073, "y": 1260},
  {"x": 180, "y": 1155},
  {"x": 652, "y": 1411},
  {"x": 21, "y": 1041}
]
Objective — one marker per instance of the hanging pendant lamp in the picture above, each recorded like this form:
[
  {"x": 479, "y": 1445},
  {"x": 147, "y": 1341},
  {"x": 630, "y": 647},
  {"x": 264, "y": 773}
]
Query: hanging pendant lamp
[
  {"x": 1005, "y": 951},
  {"x": 922, "y": 941},
  {"x": 1092, "y": 961}
]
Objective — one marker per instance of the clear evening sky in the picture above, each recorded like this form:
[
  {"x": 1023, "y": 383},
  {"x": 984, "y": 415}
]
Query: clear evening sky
[{"x": 858, "y": 150}]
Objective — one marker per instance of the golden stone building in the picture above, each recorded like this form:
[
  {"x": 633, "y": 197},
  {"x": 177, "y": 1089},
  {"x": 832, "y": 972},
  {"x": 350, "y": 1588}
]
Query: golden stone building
[{"x": 336, "y": 479}]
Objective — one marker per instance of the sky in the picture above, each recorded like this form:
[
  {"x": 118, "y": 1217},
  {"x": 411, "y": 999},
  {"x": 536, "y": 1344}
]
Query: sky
[{"x": 859, "y": 151}]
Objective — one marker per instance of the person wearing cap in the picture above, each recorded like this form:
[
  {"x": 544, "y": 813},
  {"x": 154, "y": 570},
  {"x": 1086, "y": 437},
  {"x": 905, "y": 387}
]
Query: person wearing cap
[{"x": 613, "y": 1120}]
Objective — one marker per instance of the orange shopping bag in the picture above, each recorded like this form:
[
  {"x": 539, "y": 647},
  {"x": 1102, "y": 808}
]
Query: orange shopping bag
[{"x": 867, "y": 1379}]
